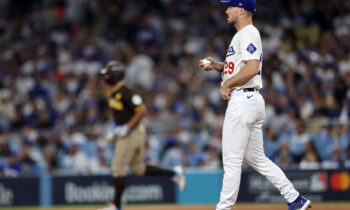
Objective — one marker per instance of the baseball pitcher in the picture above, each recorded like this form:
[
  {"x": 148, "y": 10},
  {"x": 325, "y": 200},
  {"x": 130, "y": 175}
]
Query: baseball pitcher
[{"x": 242, "y": 130}]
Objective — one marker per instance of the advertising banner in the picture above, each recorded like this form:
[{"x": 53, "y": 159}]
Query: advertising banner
[
  {"x": 22, "y": 191},
  {"x": 315, "y": 185},
  {"x": 99, "y": 189}
]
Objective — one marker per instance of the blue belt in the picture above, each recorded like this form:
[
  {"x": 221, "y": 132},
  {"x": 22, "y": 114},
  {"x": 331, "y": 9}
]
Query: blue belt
[{"x": 249, "y": 89}]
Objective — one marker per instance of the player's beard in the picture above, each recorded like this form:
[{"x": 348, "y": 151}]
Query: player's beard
[{"x": 231, "y": 21}]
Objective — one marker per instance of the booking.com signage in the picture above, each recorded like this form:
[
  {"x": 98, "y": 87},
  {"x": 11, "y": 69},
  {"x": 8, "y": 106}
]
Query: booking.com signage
[
  {"x": 99, "y": 189},
  {"x": 57, "y": 190}
]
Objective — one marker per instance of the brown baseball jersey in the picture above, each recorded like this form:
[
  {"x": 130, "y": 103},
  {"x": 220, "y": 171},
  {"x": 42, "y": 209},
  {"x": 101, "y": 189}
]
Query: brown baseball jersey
[
  {"x": 130, "y": 149},
  {"x": 123, "y": 102}
]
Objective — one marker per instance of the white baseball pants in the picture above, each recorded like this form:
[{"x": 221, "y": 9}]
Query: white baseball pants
[{"x": 242, "y": 137}]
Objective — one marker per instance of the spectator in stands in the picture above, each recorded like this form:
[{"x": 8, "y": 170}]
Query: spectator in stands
[
  {"x": 12, "y": 166},
  {"x": 5, "y": 154},
  {"x": 5, "y": 151},
  {"x": 211, "y": 161},
  {"x": 171, "y": 155},
  {"x": 27, "y": 158},
  {"x": 76, "y": 161},
  {"x": 283, "y": 158},
  {"x": 310, "y": 159},
  {"x": 99, "y": 164},
  {"x": 298, "y": 141},
  {"x": 51, "y": 163},
  {"x": 347, "y": 162},
  {"x": 341, "y": 143},
  {"x": 271, "y": 144},
  {"x": 197, "y": 155},
  {"x": 324, "y": 142}
]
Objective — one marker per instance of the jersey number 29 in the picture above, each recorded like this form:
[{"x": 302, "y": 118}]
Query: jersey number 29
[{"x": 229, "y": 67}]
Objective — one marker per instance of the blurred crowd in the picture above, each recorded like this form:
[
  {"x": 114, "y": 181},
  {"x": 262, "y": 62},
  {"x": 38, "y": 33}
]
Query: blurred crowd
[{"x": 53, "y": 113}]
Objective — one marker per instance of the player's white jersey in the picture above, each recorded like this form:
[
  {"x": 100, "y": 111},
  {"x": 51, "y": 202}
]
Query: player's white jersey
[{"x": 245, "y": 45}]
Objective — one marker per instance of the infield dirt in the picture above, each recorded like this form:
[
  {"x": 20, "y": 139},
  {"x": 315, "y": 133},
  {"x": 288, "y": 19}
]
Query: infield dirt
[{"x": 333, "y": 206}]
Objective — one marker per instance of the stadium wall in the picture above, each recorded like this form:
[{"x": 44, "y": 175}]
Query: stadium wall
[{"x": 203, "y": 188}]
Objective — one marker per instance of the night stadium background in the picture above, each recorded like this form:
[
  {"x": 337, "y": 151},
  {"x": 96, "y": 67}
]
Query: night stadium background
[{"x": 54, "y": 118}]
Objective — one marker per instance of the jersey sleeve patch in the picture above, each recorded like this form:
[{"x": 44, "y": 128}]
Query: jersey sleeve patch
[
  {"x": 136, "y": 100},
  {"x": 230, "y": 51},
  {"x": 251, "y": 48}
]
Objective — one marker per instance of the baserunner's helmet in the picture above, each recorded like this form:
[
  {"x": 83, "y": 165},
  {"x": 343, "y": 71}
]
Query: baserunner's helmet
[{"x": 113, "y": 72}]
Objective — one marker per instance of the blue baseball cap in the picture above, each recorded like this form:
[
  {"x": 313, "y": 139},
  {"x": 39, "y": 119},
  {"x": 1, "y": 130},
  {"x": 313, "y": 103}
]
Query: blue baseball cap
[{"x": 248, "y": 5}]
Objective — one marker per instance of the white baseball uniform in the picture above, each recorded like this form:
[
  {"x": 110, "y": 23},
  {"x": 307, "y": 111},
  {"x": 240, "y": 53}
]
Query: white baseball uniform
[{"x": 242, "y": 130}]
